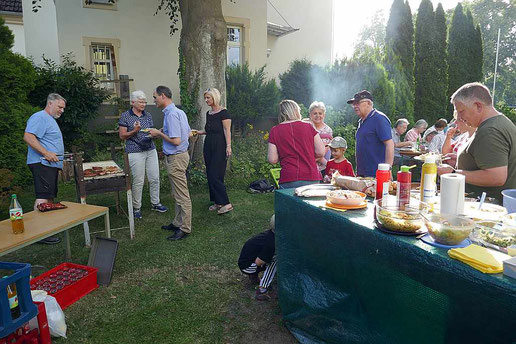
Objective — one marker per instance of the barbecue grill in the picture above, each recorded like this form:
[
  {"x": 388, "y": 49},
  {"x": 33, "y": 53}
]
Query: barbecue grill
[{"x": 107, "y": 176}]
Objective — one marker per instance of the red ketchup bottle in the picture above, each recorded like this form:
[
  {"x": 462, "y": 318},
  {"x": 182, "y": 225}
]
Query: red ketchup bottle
[
  {"x": 383, "y": 179},
  {"x": 403, "y": 186}
]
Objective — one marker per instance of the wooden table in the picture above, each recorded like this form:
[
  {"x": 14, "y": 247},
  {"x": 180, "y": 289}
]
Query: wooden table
[{"x": 40, "y": 225}]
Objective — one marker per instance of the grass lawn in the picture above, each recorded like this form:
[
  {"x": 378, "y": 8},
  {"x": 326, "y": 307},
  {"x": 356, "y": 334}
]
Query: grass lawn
[{"x": 189, "y": 291}]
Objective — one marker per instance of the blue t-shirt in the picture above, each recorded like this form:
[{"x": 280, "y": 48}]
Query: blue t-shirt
[
  {"x": 370, "y": 149},
  {"x": 45, "y": 128},
  {"x": 175, "y": 124},
  {"x": 141, "y": 141}
]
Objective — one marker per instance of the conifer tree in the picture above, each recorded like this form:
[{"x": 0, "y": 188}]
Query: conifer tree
[
  {"x": 441, "y": 75},
  {"x": 478, "y": 54},
  {"x": 464, "y": 51},
  {"x": 399, "y": 56},
  {"x": 427, "y": 102}
]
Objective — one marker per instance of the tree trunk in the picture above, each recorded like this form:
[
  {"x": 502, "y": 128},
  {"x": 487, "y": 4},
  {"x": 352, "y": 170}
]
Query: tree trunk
[{"x": 203, "y": 45}]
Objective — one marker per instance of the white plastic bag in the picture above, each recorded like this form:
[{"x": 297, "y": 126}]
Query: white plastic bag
[{"x": 55, "y": 315}]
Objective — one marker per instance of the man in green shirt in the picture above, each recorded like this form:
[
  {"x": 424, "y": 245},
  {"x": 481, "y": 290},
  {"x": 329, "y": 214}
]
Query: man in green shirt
[{"x": 489, "y": 158}]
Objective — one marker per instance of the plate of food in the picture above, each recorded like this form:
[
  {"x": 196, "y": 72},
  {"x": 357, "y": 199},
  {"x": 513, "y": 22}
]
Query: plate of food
[{"x": 346, "y": 198}]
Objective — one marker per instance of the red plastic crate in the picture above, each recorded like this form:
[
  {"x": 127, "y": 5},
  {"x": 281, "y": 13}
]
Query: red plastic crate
[{"x": 67, "y": 288}]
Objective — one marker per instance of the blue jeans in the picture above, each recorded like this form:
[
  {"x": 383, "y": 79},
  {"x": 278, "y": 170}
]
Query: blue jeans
[{"x": 297, "y": 184}]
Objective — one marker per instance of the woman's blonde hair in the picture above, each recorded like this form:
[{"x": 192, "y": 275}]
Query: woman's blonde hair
[
  {"x": 215, "y": 94},
  {"x": 288, "y": 111}
]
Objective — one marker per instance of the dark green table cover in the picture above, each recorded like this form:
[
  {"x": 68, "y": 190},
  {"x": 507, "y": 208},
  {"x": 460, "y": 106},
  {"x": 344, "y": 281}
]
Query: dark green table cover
[{"x": 343, "y": 281}]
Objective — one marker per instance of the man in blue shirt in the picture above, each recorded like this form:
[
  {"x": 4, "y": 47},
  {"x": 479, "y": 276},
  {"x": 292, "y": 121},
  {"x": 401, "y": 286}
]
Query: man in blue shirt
[
  {"x": 45, "y": 152},
  {"x": 175, "y": 134},
  {"x": 374, "y": 143}
]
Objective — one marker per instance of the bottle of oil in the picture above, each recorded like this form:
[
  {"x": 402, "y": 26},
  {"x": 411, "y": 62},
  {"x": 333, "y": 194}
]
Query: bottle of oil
[
  {"x": 16, "y": 214},
  {"x": 429, "y": 180}
]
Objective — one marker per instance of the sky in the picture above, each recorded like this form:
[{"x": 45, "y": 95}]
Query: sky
[{"x": 351, "y": 16}]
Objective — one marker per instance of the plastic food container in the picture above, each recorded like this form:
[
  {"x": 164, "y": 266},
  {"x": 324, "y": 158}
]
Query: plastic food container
[
  {"x": 345, "y": 197},
  {"x": 448, "y": 229},
  {"x": 400, "y": 218}
]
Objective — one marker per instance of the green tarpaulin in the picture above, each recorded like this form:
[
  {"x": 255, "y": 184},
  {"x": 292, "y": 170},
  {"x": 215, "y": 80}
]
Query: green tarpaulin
[{"x": 342, "y": 281}]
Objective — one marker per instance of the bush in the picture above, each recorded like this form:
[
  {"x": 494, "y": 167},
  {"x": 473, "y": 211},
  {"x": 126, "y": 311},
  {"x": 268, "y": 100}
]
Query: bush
[
  {"x": 249, "y": 161},
  {"x": 249, "y": 96},
  {"x": 16, "y": 81},
  {"x": 298, "y": 82},
  {"x": 81, "y": 90}
]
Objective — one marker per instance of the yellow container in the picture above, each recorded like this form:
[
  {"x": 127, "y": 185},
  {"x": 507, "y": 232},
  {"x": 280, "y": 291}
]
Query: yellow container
[{"x": 429, "y": 180}]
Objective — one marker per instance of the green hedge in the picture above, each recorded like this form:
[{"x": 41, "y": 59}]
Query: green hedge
[{"x": 16, "y": 81}]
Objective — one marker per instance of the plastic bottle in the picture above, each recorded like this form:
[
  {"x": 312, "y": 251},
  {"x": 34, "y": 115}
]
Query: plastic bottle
[
  {"x": 403, "y": 181},
  {"x": 383, "y": 179},
  {"x": 16, "y": 215},
  {"x": 429, "y": 179}
]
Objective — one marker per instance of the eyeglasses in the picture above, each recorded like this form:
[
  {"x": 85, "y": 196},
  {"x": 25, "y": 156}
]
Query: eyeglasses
[{"x": 358, "y": 103}]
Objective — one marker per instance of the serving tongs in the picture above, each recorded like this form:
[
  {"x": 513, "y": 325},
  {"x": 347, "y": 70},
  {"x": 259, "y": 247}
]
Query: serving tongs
[{"x": 62, "y": 157}]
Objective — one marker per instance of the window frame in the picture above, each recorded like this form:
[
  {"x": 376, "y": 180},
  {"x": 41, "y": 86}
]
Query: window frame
[
  {"x": 244, "y": 24},
  {"x": 114, "y": 43},
  {"x": 100, "y": 5}
]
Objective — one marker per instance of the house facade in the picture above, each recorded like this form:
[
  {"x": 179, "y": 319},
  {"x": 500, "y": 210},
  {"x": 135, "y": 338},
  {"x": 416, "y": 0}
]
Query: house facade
[
  {"x": 128, "y": 38},
  {"x": 11, "y": 12}
]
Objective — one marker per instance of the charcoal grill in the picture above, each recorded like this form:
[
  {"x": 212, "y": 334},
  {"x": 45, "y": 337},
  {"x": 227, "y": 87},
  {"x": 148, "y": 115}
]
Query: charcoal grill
[{"x": 112, "y": 182}]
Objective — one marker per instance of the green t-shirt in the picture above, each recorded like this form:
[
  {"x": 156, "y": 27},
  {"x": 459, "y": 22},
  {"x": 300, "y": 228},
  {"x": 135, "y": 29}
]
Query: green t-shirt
[{"x": 492, "y": 145}]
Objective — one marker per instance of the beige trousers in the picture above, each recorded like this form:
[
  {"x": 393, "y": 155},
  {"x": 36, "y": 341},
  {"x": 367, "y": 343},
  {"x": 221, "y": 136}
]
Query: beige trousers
[{"x": 176, "y": 169}]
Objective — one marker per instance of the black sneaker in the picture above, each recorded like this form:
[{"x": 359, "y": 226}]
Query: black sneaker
[{"x": 178, "y": 235}]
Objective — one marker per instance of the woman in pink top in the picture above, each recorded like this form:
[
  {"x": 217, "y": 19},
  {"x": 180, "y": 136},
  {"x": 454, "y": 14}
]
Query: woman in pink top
[
  {"x": 415, "y": 133},
  {"x": 295, "y": 145}
]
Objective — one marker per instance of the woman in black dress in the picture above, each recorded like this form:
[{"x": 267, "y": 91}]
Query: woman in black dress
[{"x": 217, "y": 149}]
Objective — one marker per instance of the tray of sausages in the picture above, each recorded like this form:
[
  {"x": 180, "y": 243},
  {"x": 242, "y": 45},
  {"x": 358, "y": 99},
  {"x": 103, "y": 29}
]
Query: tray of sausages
[{"x": 43, "y": 207}]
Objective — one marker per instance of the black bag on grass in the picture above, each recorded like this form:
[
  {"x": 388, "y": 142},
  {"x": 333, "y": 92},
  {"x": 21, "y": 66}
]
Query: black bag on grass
[{"x": 260, "y": 186}]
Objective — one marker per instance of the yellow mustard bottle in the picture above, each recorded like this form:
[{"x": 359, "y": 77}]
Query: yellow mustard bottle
[{"x": 429, "y": 180}]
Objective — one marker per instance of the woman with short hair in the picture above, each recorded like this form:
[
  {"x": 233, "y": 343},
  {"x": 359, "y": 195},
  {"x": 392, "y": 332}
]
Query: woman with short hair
[
  {"x": 295, "y": 145},
  {"x": 415, "y": 133},
  {"x": 141, "y": 152},
  {"x": 317, "y": 113}
]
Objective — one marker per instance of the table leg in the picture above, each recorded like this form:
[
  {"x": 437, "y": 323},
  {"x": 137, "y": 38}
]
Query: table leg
[
  {"x": 106, "y": 224},
  {"x": 87, "y": 239},
  {"x": 130, "y": 212},
  {"x": 67, "y": 245}
]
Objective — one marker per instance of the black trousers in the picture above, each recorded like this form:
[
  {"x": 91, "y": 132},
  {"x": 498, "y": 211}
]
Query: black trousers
[{"x": 215, "y": 160}]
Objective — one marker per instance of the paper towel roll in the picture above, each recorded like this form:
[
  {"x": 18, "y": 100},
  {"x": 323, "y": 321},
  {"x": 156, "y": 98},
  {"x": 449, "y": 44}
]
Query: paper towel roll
[{"x": 452, "y": 193}]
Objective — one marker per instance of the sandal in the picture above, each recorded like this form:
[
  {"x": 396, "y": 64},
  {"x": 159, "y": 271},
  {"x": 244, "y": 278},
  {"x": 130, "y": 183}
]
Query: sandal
[
  {"x": 214, "y": 207},
  {"x": 225, "y": 209}
]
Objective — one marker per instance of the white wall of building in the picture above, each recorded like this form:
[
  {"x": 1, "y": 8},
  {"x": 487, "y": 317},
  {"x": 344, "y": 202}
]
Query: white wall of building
[
  {"x": 40, "y": 31},
  {"x": 147, "y": 52},
  {"x": 19, "y": 38},
  {"x": 256, "y": 13},
  {"x": 313, "y": 40},
  {"x": 149, "y": 55}
]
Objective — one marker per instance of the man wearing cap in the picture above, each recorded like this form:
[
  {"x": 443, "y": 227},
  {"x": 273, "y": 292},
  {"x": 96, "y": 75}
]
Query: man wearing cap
[
  {"x": 488, "y": 160},
  {"x": 374, "y": 143}
]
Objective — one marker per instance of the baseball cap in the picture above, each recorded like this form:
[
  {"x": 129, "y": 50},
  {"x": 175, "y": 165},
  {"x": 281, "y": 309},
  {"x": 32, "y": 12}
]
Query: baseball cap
[
  {"x": 359, "y": 96},
  {"x": 338, "y": 142}
]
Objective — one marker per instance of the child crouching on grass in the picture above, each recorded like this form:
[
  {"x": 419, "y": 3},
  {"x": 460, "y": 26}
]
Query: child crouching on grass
[
  {"x": 339, "y": 163},
  {"x": 258, "y": 255}
]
